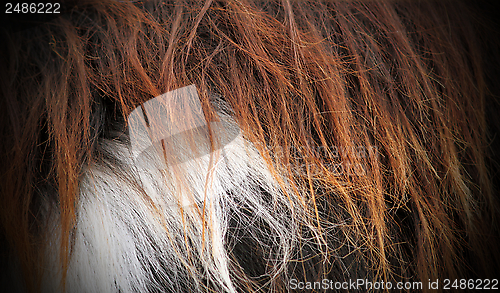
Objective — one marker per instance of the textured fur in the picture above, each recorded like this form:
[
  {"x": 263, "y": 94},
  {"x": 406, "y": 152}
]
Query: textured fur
[
  {"x": 329, "y": 140},
  {"x": 131, "y": 234}
]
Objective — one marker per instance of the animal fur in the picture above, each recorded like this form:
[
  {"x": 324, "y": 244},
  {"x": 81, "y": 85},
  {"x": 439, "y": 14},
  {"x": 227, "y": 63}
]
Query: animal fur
[{"x": 343, "y": 140}]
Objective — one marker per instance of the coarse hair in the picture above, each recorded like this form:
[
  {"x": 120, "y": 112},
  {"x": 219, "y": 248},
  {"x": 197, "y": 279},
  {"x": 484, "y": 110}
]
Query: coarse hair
[{"x": 366, "y": 146}]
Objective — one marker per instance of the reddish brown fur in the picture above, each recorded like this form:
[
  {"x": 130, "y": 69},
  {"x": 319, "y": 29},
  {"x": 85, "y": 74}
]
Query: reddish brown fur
[{"x": 405, "y": 76}]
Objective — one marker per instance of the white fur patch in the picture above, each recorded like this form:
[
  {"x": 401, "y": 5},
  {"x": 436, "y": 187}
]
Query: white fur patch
[{"x": 141, "y": 228}]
